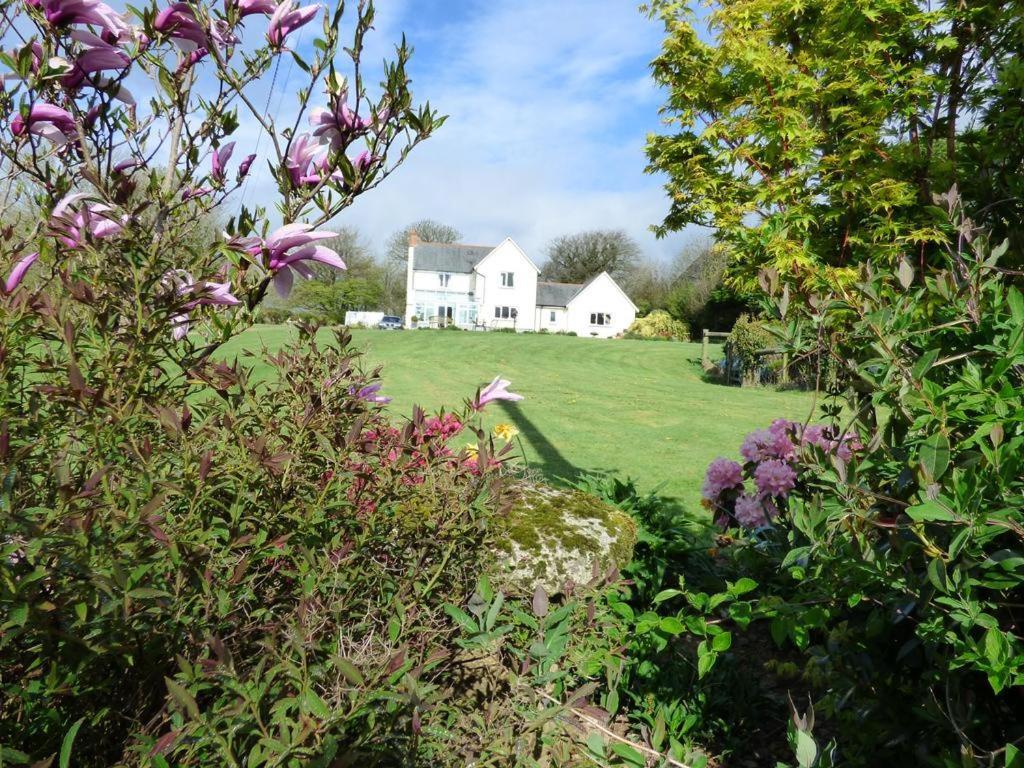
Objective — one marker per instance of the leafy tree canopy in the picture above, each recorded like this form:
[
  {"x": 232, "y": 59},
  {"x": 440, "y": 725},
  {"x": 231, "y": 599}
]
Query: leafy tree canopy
[{"x": 813, "y": 135}]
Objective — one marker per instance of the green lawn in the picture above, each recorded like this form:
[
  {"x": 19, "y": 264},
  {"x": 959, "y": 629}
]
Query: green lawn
[{"x": 632, "y": 408}]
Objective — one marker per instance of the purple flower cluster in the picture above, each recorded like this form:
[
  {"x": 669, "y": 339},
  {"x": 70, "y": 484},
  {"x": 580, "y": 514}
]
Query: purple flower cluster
[{"x": 772, "y": 458}]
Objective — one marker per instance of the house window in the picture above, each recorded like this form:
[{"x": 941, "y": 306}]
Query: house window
[
  {"x": 508, "y": 279},
  {"x": 504, "y": 313},
  {"x": 600, "y": 318},
  {"x": 552, "y": 317},
  {"x": 444, "y": 276}
]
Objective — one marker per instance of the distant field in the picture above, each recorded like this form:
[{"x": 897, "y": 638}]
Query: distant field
[{"x": 632, "y": 408}]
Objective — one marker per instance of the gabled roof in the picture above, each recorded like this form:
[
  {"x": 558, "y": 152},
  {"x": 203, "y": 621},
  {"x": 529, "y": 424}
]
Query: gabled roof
[
  {"x": 514, "y": 244},
  {"x": 611, "y": 279},
  {"x": 556, "y": 294},
  {"x": 448, "y": 257}
]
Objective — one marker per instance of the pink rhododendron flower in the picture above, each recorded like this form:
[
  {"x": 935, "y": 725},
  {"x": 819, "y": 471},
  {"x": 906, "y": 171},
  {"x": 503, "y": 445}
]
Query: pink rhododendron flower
[
  {"x": 722, "y": 475},
  {"x": 750, "y": 512},
  {"x": 18, "y": 273},
  {"x": 496, "y": 390},
  {"x": 771, "y": 443},
  {"x": 775, "y": 477},
  {"x": 285, "y": 20}
]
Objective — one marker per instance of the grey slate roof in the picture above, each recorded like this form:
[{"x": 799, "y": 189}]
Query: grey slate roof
[
  {"x": 449, "y": 257},
  {"x": 556, "y": 294}
]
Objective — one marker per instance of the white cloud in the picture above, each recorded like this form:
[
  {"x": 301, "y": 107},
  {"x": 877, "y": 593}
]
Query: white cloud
[{"x": 549, "y": 108}]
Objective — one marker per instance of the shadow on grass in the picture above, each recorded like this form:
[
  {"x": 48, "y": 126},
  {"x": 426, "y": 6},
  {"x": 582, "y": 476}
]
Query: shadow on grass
[
  {"x": 549, "y": 461},
  {"x": 558, "y": 469}
]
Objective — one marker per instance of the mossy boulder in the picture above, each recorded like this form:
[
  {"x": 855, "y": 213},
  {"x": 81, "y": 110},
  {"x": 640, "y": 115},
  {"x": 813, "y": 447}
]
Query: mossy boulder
[{"x": 552, "y": 536}]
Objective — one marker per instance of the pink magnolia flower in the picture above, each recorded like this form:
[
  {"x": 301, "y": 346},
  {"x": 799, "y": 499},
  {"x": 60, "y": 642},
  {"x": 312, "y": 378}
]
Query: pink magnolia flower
[
  {"x": 97, "y": 55},
  {"x": 250, "y": 7},
  {"x": 287, "y": 248},
  {"x": 49, "y": 121},
  {"x": 496, "y": 390},
  {"x": 338, "y": 126},
  {"x": 244, "y": 166},
  {"x": 201, "y": 293},
  {"x": 722, "y": 475},
  {"x": 179, "y": 22},
  {"x": 285, "y": 20},
  {"x": 774, "y": 477},
  {"x": 18, "y": 273},
  {"x": 364, "y": 161},
  {"x": 72, "y": 227},
  {"x": 219, "y": 159},
  {"x": 98, "y": 14},
  {"x": 750, "y": 512},
  {"x": 304, "y": 161}
]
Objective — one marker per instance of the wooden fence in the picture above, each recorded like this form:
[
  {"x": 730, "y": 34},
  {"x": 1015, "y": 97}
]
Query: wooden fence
[{"x": 765, "y": 372}]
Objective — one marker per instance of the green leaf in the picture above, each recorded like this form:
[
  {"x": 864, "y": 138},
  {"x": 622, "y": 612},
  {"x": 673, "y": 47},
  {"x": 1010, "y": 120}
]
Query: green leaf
[
  {"x": 937, "y": 574},
  {"x": 722, "y": 642},
  {"x": 185, "y": 699},
  {"x": 705, "y": 661},
  {"x": 930, "y": 511},
  {"x": 934, "y": 456},
  {"x": 743, "y": 586},
  {"x": 806, "y": 750},
  {"x": 349, "y": 671},
  {"x": 595, "y": 743},
  {"x": 671, "y": 625},
  {"x": 666, "y": 594},
  {"x": 462, "y": 618},
  {"x": 631, "y": 755},
  {"x": 69, "y": 740}
]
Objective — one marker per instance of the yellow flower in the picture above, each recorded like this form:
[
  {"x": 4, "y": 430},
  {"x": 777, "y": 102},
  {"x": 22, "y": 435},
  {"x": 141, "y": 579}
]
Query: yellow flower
[
  {"x": 505, "y": 431},
  {"x": 471, "y": 450}
]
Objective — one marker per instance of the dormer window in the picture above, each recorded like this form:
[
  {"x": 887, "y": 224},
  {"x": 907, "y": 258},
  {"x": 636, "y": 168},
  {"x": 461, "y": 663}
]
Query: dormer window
[
  {"x": 508, "y": 279},
  {"x": 444, "y": 276}
]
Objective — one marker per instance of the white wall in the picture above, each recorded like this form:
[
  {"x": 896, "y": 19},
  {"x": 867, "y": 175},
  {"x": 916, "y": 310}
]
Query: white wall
[
  {"x": 544, "y": 321},
  {"x": 602, "y": 295},
  {"x": 458, "y": 282},
  {"x": 490, "y": 293}
]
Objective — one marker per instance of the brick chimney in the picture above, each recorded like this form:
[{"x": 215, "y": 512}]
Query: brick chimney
[{"x": 414, "y": 239}]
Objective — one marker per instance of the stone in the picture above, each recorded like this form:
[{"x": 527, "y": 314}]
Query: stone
[{"x": 552, "y": 536}]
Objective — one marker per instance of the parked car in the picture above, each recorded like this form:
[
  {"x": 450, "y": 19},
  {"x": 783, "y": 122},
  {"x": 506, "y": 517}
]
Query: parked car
[{"x": 390, "y": 323}]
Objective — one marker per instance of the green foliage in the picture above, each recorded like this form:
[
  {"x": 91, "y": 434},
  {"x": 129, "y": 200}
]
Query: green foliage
[
  {"x": 811, "y": 136},
  {"x": 748, "y": 341},
  {"x": 900, "y": 573},
  {"x": 659, "y": 324}
]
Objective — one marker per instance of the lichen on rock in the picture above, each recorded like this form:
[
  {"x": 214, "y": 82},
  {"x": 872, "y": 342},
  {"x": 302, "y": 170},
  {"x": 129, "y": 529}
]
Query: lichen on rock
[{"x": 551, "y": 536}]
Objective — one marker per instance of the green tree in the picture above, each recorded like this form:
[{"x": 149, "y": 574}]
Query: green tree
[
  {"x": 576, "y": 258},
  {"x": 813, "y": 135}
]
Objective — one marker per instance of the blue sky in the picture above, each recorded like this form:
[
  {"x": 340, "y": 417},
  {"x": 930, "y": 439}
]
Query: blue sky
[
  {"x": 549, "y": 103},
  {"x": 549, "y": 106}
]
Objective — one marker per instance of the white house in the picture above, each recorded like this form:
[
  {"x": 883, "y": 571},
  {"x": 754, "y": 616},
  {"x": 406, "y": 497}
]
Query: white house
[{"x": 479, "y": 286}]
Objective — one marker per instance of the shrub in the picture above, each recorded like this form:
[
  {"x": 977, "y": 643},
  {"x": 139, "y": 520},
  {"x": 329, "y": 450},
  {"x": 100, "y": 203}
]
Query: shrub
[
  {"x": 659, "y": 324},
  {"x": 894, "y": 568}
]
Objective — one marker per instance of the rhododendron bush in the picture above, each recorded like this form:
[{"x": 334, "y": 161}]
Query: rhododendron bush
[{"x": 889, "y": 545}]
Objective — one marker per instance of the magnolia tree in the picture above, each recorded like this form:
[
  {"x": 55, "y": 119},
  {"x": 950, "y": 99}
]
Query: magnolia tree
[
  {"x": 188, "y": 550},
  {"x": 112, "y": 184}
]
